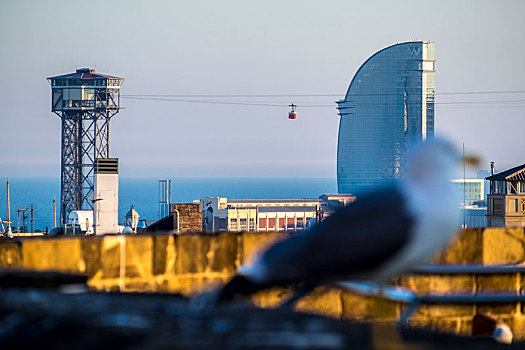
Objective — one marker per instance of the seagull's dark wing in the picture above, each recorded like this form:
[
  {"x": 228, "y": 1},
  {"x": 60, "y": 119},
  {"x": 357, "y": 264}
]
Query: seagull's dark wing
[{"x": 356, "y": 239}]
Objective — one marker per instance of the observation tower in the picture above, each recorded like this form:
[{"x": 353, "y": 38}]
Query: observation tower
[{"x": 85, "y": 102}]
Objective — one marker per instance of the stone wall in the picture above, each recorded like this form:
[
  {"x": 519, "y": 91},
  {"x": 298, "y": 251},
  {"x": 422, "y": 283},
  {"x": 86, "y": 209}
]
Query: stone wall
[{"x": 191, "y": 263}]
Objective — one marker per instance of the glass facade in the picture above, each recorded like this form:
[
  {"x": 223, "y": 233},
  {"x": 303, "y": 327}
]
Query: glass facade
[{"x": 388, "y": 106}]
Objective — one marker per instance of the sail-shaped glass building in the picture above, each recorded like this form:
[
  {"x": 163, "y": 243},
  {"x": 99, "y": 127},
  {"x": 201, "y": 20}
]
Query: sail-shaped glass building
[{"x": 388, "y": 106}]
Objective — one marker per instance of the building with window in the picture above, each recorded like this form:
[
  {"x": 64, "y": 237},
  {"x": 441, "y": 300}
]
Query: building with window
[
  {"x": 182, "y": 217},
  {"x": 332, "y": 202},
  {"x": 470, "y": 190},
  {"x": 389, "y": 105},
  {"x": 506, "y": 201},
  {"x": 221, "y": 214}
]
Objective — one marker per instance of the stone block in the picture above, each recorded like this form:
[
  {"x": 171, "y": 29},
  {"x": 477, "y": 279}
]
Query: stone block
[
  {"x": 111, "y": 256},
  {"x": 503, "y": 246},
  {"x": 517, "y": 324},
  {"x": 500, "y": 310},
  {"x": 253, "y": 244},
  {"x": 355, "y": 306},
  {"x": 163, "y": 254},
  {"x": 192, "y": 253},
  {"x": 451, "y": 325},
  {"x": 223, "y": 253},
  {"x": 271, "y": 298},
  {"x": 140, "y": 285},
  {"x": 445, "y": 311},
  {"x": 464, "y": 248},
  {"x": 60, "y": 254},
  {"x": 498, "y": 283},
  {"x": 439, "y": 284},
  {"x": 380, "y": 309},
  {"x": 91, "y": 248},
  {"x": 10, "y": 254},
  {"x": 137, "y": 257},
  {"x": 367, "y": 308},
  {"x": 322, "y": 301},
  {"x": 191, "y": 285}
]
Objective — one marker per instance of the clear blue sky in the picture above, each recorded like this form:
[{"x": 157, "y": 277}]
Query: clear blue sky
[{"x": 245, "y": 47}]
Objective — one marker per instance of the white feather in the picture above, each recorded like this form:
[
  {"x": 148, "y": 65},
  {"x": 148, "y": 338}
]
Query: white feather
[{"x": 433, "y": 203}]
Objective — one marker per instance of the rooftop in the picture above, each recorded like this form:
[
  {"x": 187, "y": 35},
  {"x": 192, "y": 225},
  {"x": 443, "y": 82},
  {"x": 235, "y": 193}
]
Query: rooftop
[
  {"x": 247, "y": 201},
  {"x": 513, "y": 174},
  {"x": 286, "y": 209},
  {"x": 85, "y": 73}
]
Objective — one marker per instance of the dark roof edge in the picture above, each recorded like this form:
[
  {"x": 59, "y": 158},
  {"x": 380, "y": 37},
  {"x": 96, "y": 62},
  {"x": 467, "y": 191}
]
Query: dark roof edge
[{"x": 507, "y": 173}]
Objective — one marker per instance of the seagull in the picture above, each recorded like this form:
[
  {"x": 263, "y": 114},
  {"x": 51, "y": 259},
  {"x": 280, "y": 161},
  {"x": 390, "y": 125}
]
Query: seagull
[{"x": 380, "y": 235}]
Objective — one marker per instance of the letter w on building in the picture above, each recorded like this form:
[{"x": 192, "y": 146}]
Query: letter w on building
[{"x": 414, "y": 51}]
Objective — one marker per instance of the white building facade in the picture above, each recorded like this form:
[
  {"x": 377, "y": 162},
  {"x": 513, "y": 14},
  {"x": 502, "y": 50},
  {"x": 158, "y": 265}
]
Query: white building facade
[
  {"x": 470, "y": 190},
  {"x": 105, "y": 196},
  {"x": 221, "y": 214}
]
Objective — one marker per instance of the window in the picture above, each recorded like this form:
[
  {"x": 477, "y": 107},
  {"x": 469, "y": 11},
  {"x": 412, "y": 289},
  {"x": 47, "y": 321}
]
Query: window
[
  {"x": 57, "y": 99},
  {"x": 300, "y": 223},
  {"x": 242, "y": 224},
  {"x": 290, "y": 224},
  {"x": 252, "y": 224},
  {"x": 88, "y": 94},
  {"x": 497, "y": 206},
  {"x": 233, "y": 224},
  {"x": 516, "y": 205},
  {"x": 72, "y": 94},
  {"x": 262, "y": 223},
  {"x": 308, "y": 222}
]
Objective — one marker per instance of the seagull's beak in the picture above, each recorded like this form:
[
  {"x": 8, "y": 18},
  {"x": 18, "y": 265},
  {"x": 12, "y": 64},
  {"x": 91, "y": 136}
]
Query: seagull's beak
[{"x": 470, "y": 160}]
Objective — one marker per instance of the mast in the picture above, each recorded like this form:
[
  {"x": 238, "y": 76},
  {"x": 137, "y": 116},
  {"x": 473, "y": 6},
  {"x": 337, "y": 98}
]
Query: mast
[
  {"x": 8, "y": 233},
  {"x": 54, "y": 212},
  {"x": 32, "y": 218}
]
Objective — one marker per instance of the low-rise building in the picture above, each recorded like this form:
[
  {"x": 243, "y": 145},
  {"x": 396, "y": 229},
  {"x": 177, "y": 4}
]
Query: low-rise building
[
  {"x": 331, "y": 202},
  {"x": 470, "y": 190},
  {"x": 221, "y": 214},
  {"x": 183, "y": 217},
  {"x": 506, "y": 201},
  {"x": 472, "y": 216}
]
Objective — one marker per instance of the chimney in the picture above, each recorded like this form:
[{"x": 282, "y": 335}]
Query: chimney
[{"x": 491, "y": 168}]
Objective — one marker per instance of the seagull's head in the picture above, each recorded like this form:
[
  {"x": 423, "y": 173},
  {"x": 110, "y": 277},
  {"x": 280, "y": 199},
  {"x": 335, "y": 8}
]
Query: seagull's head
[{"x": 431, "y": 164}]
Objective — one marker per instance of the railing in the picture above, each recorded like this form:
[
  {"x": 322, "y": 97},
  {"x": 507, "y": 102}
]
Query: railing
[{"x": 414, "y": 300}]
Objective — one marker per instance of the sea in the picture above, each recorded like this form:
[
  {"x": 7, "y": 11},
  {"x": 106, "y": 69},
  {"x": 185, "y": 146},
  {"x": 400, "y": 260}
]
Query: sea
[{"x": 143, "y": 193}]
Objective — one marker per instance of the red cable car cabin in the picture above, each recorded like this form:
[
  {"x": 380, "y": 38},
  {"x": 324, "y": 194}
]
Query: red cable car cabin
[{"x": 292, "y": 114}]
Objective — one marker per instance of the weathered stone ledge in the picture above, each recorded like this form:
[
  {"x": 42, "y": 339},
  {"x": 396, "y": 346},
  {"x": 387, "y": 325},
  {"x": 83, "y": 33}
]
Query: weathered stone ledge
[{"x": 190, "y": 263}]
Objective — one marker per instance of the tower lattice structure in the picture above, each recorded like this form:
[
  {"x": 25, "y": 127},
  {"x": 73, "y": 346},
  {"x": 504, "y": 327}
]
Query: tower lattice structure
[{"x": 85, "y": 102}]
